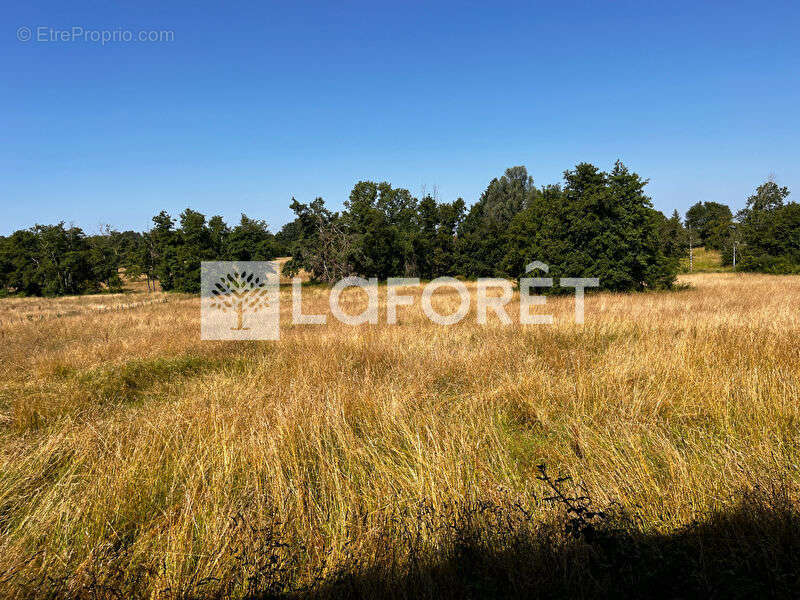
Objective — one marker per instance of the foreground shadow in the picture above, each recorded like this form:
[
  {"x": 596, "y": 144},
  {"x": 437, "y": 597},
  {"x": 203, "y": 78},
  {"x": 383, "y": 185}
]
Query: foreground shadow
[{"x": 751, "y": 551}]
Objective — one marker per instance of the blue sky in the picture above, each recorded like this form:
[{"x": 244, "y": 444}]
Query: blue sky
[{"x": 252, "y": 104}]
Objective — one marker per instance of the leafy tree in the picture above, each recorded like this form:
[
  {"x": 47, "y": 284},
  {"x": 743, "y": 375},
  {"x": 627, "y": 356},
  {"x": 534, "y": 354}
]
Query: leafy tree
[
  {"x": 672, "y": 235},
  {"x": 770, "y": 231},
  {"x": 250, "y": 240},
  {"x": 62, "y": 260},
  {"x": 18, "y": 266},
  {"x": 445, "y": 251},
  {"x": 435, "y": 241},
  {"x": 173, "y": 256},
  {"x": 141, "y": 260},
  {"x": 734, "y": 237},
  {"x": 54, "y": 260},
  {"x": 286, "y": 237},
  {"x": 219, "y": 235},
  {"x": 759, "y": 219},
  {"x": 382, "y": 223},
  {"x": 164, "y": 240},
  {"x": 322, "y": 247},
  {"x": 105, "y": 257},
  {"x": 194, "y": 245},
  {"x": 599, "y": 225},
  {"x": 711, "y": 222},
  {"x": 482, "y": 232}
]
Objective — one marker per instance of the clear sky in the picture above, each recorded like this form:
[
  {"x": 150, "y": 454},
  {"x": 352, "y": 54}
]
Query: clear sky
[{"x": 251, "y": 104}]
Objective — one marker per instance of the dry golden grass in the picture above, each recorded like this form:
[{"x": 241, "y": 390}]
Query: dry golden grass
[
  {"x": 136, "y": 457},
  {"x": 14, "y": 310}
]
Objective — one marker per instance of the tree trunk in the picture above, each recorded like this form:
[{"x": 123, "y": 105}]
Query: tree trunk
[{"x": 239, "y": 317}]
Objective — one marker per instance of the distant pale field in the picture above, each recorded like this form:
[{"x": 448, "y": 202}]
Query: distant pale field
[{"x": 132, "y": 452}]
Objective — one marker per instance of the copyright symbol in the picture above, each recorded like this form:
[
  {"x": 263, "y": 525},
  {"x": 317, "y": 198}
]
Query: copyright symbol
[{"x": 24, "y": 34}]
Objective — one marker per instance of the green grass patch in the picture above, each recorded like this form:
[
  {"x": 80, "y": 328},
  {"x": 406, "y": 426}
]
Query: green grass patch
[
  {"x": 126, "y": 382},
  {"x": 704, "y": 261}
]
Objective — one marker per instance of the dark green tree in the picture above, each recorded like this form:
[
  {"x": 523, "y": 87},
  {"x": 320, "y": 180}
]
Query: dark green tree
[
  {"x": 382, "y": 224},
  {"x": 672, "y": 236},
  {"x": 194, "y": 246},
  {"x": 18, "y": 264},
  {"x": 482, "y": 232},
  {"x": 599, "y": 225},
  {"x": 770, "y": 231},
  {"x": 711, "y": 222},
  {"x": 219, "y": 234},
  {"x": 322, "y": 245},
  {"x": 435, "y": 239},
  {"x": 140, "y": 261},
  {"x": 250, "y": 240},
  {"x": 164, "y": 241},
  {"x": 286, "y": 237},
  {"x": 106, "y": 252}
]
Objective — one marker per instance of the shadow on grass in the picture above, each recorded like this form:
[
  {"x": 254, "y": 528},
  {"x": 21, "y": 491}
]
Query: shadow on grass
[
  {"x": 750, "y": 551},
  {"x": 475, "y": 550}
]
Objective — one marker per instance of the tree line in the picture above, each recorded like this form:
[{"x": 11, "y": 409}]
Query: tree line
[
  {"x": 593, "y": 224},
  {"x": 55, "y": 260},
  {"x": 763, "y": 237},
  {"x": 596, "y": 224}
]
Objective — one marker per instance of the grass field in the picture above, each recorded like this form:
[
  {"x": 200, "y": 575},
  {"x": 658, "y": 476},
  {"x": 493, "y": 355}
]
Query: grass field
[
  {"x": 374, "y": 461},
  {"x": 704, "y": 261}
]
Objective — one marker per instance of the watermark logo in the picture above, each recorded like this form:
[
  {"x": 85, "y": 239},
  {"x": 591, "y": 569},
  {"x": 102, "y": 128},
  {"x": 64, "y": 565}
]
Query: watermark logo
[
  {"x": 239, "y": 300},
  {"x": 78, "y": 33}
]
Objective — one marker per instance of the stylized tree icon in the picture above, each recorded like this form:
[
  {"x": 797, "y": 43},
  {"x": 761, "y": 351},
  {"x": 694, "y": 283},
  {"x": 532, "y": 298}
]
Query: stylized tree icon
[{"x": 240, "y": 293}]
